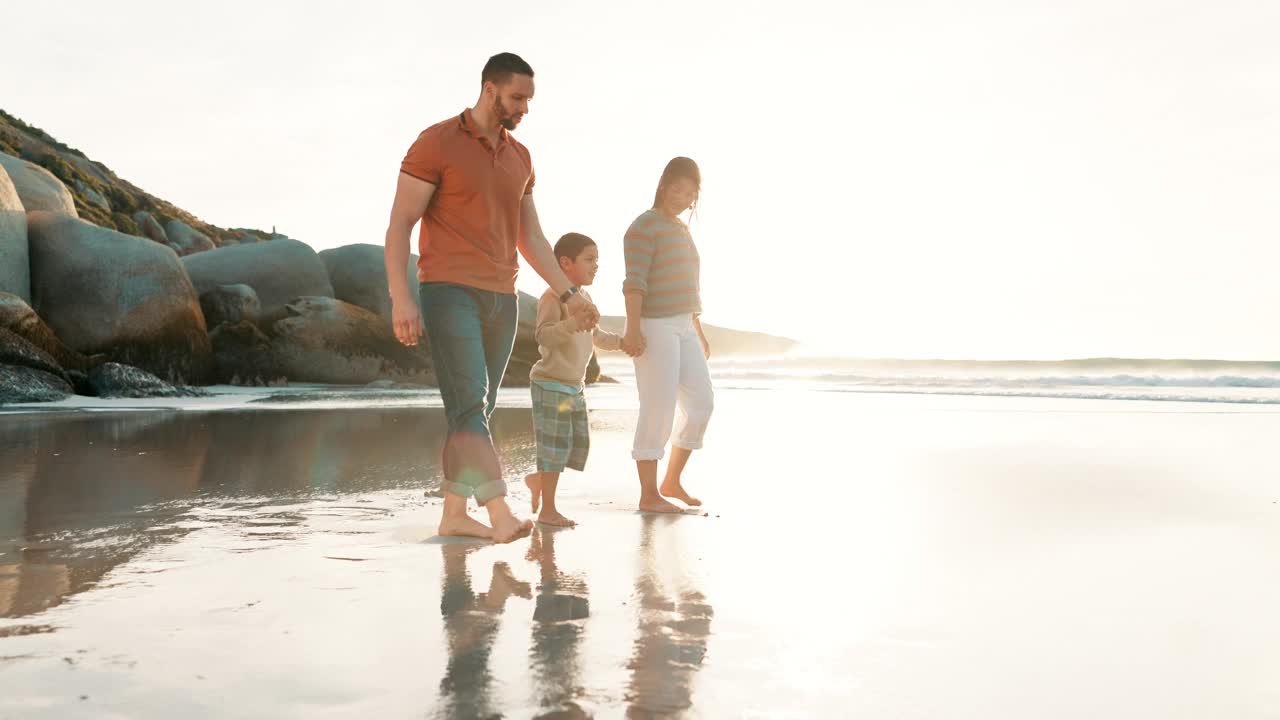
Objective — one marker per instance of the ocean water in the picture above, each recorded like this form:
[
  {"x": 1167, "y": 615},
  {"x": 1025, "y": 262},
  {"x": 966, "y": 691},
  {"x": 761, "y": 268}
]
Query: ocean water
[{"x": 1214, "y": 381}]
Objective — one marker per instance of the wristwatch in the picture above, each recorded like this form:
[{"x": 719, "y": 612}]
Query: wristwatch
[{"x": 564, "y": 296}]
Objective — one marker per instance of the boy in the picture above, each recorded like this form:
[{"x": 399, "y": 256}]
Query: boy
[{"x": 556, "y": 380}]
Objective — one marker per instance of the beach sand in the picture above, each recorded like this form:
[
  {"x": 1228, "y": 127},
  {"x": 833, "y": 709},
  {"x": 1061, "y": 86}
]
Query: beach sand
[{"x": 857, "y": 556}]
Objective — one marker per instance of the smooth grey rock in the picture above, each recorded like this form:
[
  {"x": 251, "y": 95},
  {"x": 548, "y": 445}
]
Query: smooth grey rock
[
  {"x": 102, "y": 291},
  {"x": 15, "y": 261},
  {"x": 39, "y": 189},
  {"x": 278, "y": 271}
]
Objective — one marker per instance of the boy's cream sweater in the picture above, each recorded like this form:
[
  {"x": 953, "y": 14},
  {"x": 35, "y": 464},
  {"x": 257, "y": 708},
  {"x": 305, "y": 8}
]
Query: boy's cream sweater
[{"x": 565, "y": 349}]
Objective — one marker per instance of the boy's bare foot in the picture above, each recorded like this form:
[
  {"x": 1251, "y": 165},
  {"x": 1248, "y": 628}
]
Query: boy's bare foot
[
  {"x": 658, "y": 505},
  {"x": 534, "y": 482},
  {"x": 555, "y": 519},
  {"x": 677, "y": 491},
  {"x": 464, "y": 526}
]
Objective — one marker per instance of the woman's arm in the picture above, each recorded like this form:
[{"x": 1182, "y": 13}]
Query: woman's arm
[{"x": 706, "y": 346}]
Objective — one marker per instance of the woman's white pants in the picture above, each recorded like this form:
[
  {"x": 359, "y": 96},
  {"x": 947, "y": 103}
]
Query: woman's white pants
[{"x": 671, "y": 373}]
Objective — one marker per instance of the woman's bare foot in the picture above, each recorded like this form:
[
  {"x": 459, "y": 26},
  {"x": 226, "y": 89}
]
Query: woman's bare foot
[
  {"x": 464, "y": 526},
  {"x": 677, "y": 491},
  {"x": 534, "y": 482},
  {"x": 658, "y": 505},
  {"x": 555, "y": 519}
]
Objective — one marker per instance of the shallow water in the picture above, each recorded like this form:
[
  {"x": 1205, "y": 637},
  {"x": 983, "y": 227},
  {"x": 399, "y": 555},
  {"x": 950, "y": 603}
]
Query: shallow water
[{"x": 885, "y": 556}]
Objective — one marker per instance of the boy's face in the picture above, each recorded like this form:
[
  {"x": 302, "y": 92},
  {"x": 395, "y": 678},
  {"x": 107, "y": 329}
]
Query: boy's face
[{"x": 582, "y": 270}]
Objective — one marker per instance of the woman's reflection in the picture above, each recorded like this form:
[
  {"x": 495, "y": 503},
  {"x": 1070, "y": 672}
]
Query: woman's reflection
[{"x": 674, "y": 624}]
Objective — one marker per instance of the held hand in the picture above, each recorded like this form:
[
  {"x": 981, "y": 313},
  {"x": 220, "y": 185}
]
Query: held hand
[
  {"x": 407, "y": 322},
  {"x": 579, "y": 303},
  {"x": 585, "y": 320},
  {"x": 633, "y": 343}
]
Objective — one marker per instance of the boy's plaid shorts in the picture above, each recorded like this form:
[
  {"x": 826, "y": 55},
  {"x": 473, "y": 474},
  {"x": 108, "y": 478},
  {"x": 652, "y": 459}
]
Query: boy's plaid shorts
[{"x": 559, "y": 428}]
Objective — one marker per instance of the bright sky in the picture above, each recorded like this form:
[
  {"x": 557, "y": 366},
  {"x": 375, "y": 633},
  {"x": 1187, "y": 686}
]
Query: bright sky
[{"x": 906, "y": 178}]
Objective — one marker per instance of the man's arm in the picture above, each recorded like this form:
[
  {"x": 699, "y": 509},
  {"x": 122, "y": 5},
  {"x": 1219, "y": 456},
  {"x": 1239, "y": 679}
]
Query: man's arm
[
  {"x": 537, "y": 252},
  {"x": 410, "y": 204},
  {"x": 536, "y": 249}
]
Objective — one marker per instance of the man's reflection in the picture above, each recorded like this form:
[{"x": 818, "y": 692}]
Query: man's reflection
[
  {"x": 471, "y": 625},
  {"x": 674, "y": 624}
]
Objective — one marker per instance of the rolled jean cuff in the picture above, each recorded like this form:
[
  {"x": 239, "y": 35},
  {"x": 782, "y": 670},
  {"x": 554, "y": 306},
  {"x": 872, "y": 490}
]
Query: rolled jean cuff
[
  {"x": 687, "y": 444},
  {"x": 647, "y": 454},
  {"x": 483, "y": 492}
]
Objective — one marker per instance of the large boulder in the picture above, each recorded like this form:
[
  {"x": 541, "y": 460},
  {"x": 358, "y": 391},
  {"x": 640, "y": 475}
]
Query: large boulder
[
  {"x": 244, "y": 355},
  {"x": 185, "y": 239},
  {"x": 17, "y": 350},
  {"x": 92, "y": 195},
  {"x": 525, "y": 351},
  {"x": 230, "y": 304},
  {"x": 150, "y": 227},
  {"x": 329, "y": 341},
  {"x": 102, "y": 291},
  {"x": 359, "y": 276},
  {"x": 15, "y": 266},
  {"x": 18, "y": 317},
  {"x": 113, "y": 380},
  {"x": 20, "y": 384},
  {"x": 278, "y": 271},
  {"x": 39, "y": 189}
]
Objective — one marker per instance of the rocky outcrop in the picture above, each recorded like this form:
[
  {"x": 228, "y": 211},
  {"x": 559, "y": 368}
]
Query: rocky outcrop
[
  {"x": 277, "y": 271},
  {"x": 150, "y": 227},
  {"x": 106, "y": 292},
  {"x": 525, "y": 351},
  {"x": 38, "y": 188},
  {"x": 185, "y": 239},
  {"x": 18, "y": 317},
  {"x": 113, "y": 380},
  {"x": 230, "y": 304},
  {"x": 329, "y": 341},
  {"x": 359, "y": 276},
  {"x": 92, "y": 195},
  {"x": 15, "y": 272},
  {"x": 243, "y": 355},
  {"x": 17, "y": 350},
  {"x": 19, "y": 384}
]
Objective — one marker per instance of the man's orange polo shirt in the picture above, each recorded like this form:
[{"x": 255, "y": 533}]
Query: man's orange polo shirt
[{"x": 470, "y": 228}]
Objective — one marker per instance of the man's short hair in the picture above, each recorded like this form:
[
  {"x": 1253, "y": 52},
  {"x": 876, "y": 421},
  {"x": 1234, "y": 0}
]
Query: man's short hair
[{"x": 502, "y": 66}]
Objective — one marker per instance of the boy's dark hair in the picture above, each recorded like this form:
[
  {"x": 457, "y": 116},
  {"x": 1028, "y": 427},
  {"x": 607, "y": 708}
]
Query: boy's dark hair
[
  {"x": 502, "y": 66},
  {"x": 571, "y": 245}
]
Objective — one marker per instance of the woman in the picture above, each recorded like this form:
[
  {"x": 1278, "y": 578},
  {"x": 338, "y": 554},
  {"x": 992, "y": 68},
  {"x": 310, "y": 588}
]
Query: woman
[{"x": 665, "y": 338}]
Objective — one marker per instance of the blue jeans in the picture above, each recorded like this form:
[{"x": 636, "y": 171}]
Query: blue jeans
[{"x": 470, "y": 333}]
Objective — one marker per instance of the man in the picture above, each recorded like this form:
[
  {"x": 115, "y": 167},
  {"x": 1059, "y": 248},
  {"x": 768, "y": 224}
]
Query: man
[{"x": 471, "y": 183}]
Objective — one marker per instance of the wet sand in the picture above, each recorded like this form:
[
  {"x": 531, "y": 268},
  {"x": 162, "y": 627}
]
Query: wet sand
[{"x": 859, "y": 555}]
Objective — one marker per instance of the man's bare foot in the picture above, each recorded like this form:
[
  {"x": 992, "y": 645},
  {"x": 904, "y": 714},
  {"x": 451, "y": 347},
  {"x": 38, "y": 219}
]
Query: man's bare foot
[
  {"x": 534, "y": 482},
  {"x": 509, "y": 527},
  {"x": 555, "y": 519},
  {"x": 464, "y": 526},
  {"x": 658, "y": 505},
  {"x": 677, "y": 491}
]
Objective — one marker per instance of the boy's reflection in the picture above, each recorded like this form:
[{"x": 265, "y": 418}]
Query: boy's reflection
[{"x": 558, "y": 619}]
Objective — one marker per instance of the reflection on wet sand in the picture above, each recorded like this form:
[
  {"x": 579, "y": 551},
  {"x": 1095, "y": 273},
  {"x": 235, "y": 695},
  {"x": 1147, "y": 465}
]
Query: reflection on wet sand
[
  {"x": 559, "y": 616},
  {"x": 674, "y": 624},
  {"x": 81, "y": 494},
  {"x": 471, "y": 623}
]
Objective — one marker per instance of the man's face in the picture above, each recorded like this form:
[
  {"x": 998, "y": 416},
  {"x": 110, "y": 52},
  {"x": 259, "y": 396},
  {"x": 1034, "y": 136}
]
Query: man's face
[{"x": 511, "y": 100}]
